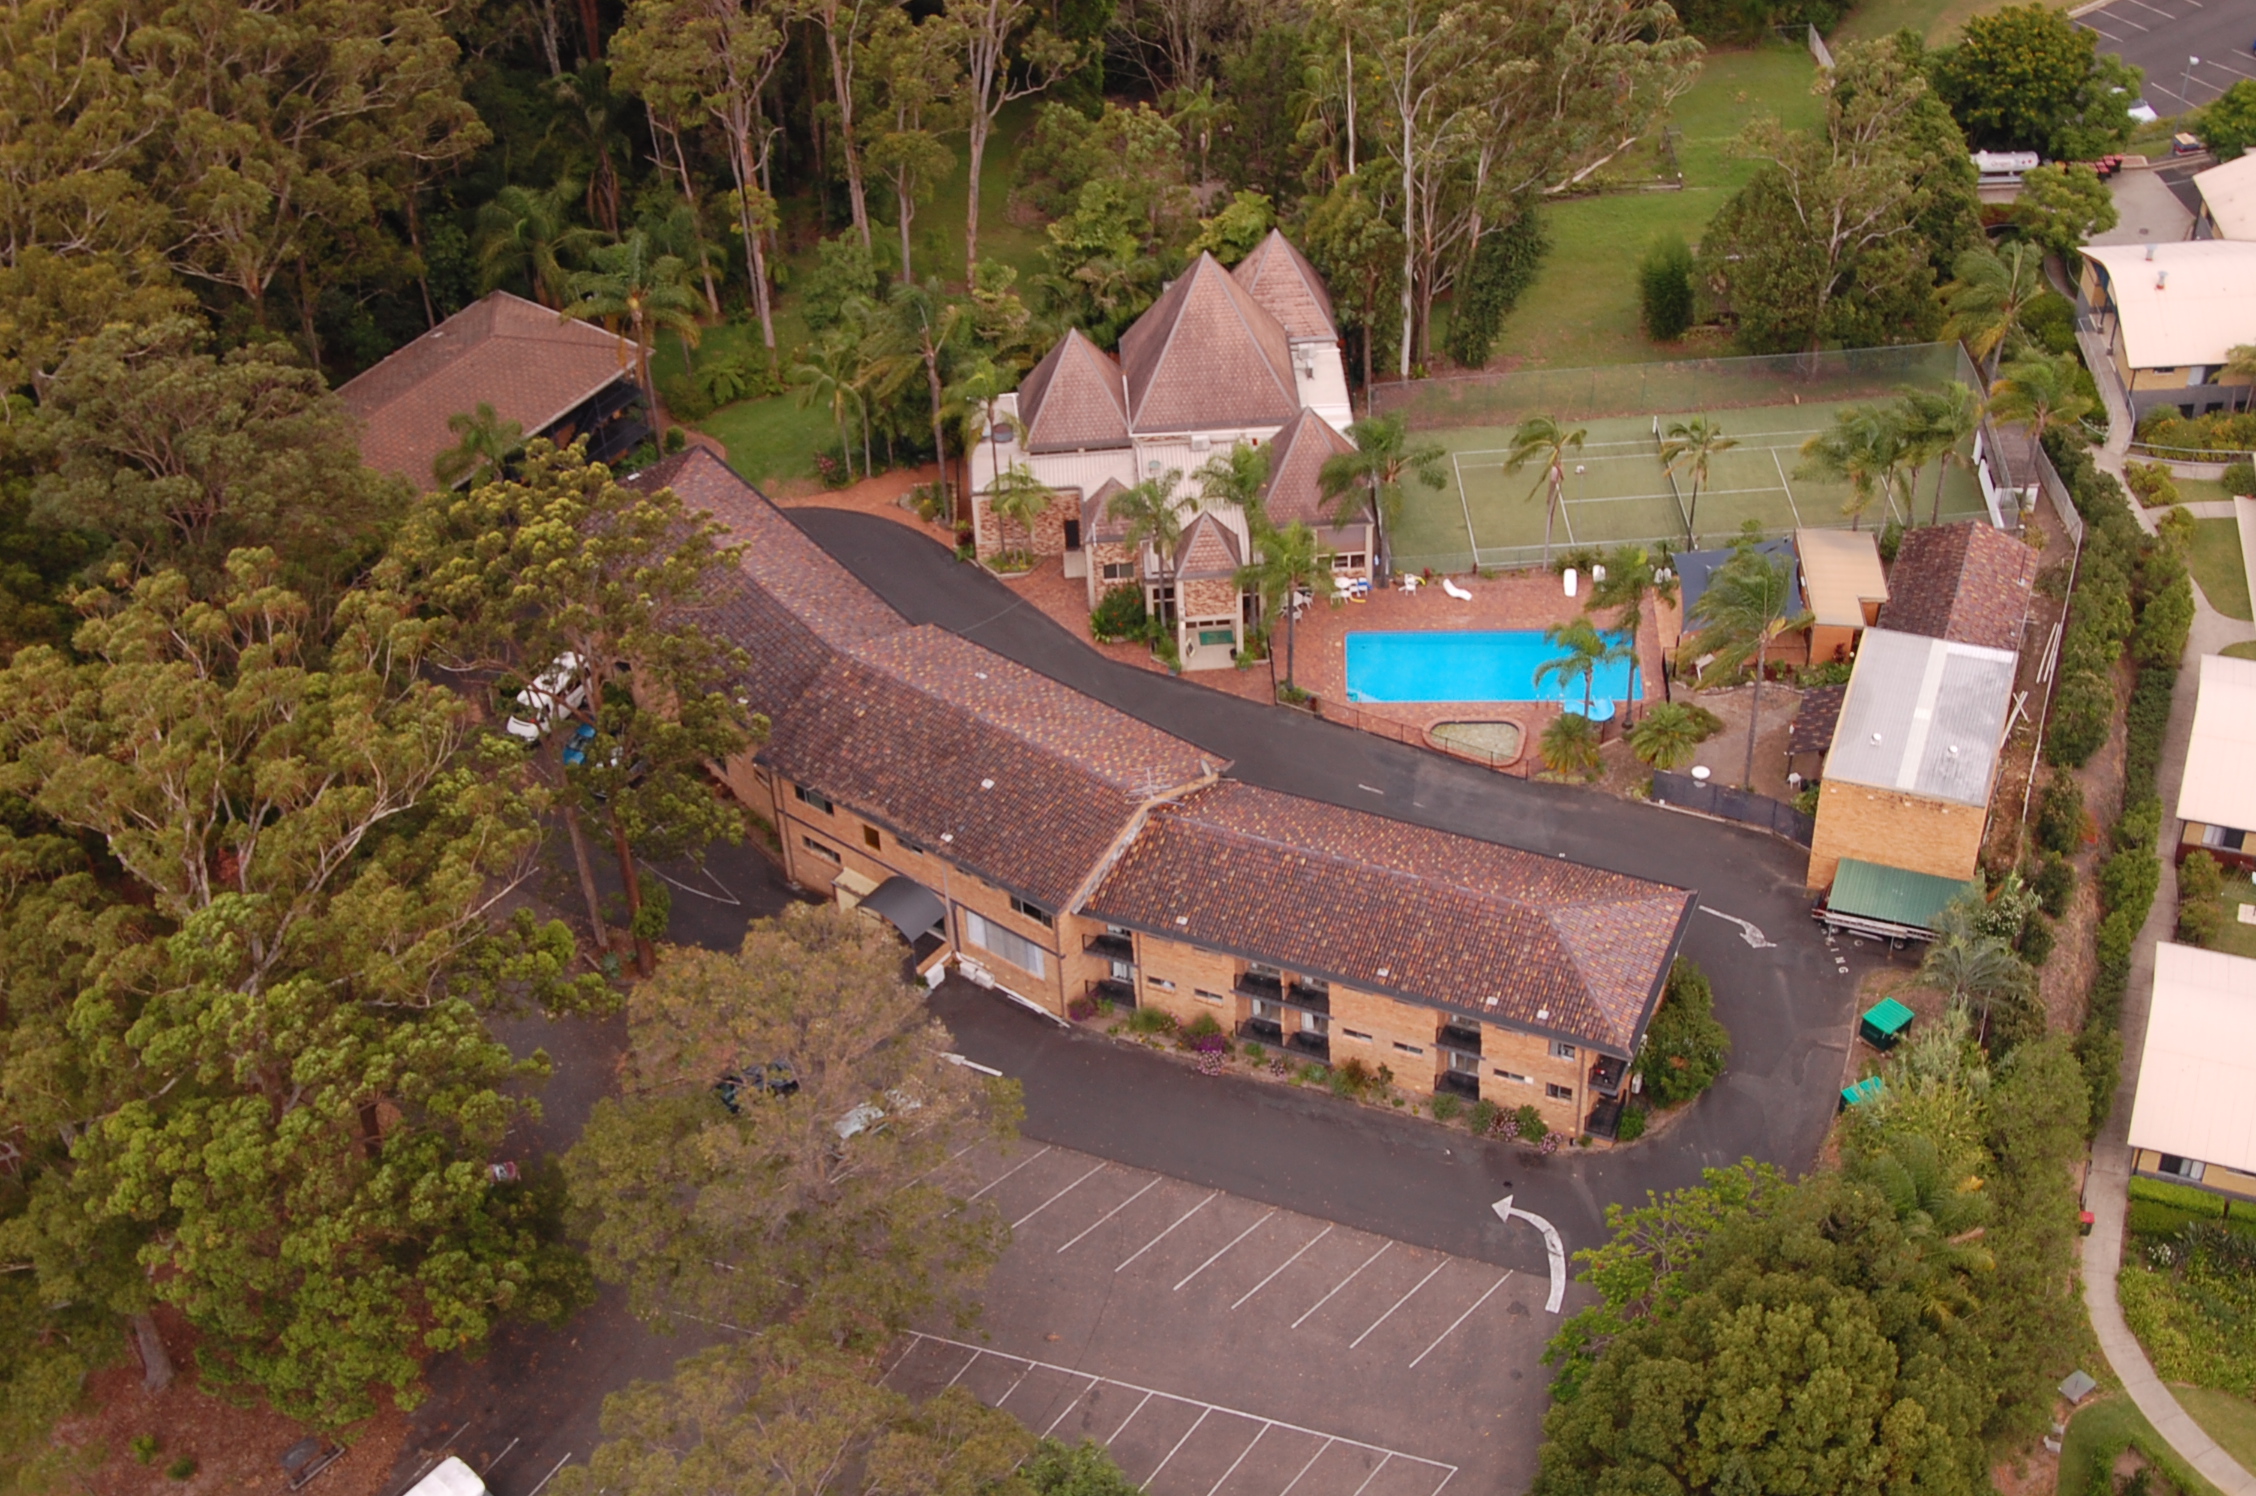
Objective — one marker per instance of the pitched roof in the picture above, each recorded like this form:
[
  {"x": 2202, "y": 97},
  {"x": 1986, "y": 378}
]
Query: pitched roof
[
  {"x": 1389, "y": 907},
  {"x": 530, "y": 365},
  {"x": 1209, "y": 549},
  {"x": 2189, "y": 302},
  {"x": 1923, "y": 716},
  {"x": 2230, "y": 193},
  {"x": 1073, "y": 398},
  {"x": 1968, "y": 582},
  {"x": 1296, "y": 461},
  {"x": 1025, "y": 781},
  {"x": 1841, "y": 573},
  {"x": 2197, "y": 1073},
  {"x": 2218, "y": 789},
  {"x": 1814, "y": 719},
  {"x": 1207, "y": 357},
  {"x": 1097, "y": 523},
  {"x": 1280, "y": 278},
  {"x": 790, "y": 607}
]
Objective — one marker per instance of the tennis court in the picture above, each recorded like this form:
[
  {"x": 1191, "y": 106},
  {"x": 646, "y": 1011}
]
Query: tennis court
[{"x": 1617, "y": 488}]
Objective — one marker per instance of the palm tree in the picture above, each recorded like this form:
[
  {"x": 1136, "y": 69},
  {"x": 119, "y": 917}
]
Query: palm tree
[
  {"x": 1148, "y": 516},
  {"x": 1236, "y": 477},
  {"x": 528, "y": 232},
  {"x": 825, "y": 371},
  {"x": 1018, "y": 497},
  {"x": 1935, "y": 423},
  {"x": 1745, "y": 610},
  {"x": 1633, "y": 573},
  {"x": 2041, "y": 391},
  {"x": 1570, "y": 745},
  {"x": 1670, "y": 734},
  {"x": 1544, "y": 437},
  {"x": 1382, "y": 458},
  {"x": 1969, "y": 967},
  {"x": 972, "y": 396},
  {"x": 649, "y": 292},
  {"x": 1987, "y": 299},
  {"x": 1864, "y": 447},
  {"x": 1587, "y": 650},
  {"x": 1290, "y": 560},
  {"x": 484, "y": 443},
  {"x": 1690, "y": 447}
]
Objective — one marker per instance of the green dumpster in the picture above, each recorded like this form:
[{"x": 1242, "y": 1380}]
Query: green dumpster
[
  {"x": 1863, "y": 1090},
  {"x": 1884, "y": 1023}
]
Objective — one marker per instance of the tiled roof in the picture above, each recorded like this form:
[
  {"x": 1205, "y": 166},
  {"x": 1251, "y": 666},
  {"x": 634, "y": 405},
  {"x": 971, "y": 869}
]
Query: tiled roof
[
  {"x": 1965, "y": 582},
  {"x": 1097, "y": 523},
  {"x": 518, "y": 357},
  {"x": 1207, "y": 357},
  {"x": 1024, "y": 781},
  {"x": 1209, "y": 549},
  {"x": 1815, "y": 719},
  {"x": 1388, "y": 907},
  {"x": 1282, "y": 280},
  {"x": 1296, "y": 461},
  {"x": 1073, "y": 398},
  {"x": 791, "y": 608}
]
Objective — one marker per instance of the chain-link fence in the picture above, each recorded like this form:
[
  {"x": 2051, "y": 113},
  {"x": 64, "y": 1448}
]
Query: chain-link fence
[{"x": 1733, "y": 804}]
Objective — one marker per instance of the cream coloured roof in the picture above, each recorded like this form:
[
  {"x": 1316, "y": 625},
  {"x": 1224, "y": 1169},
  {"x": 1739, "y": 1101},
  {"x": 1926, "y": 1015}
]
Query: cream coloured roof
[
  {"x": 2219, "y": 789},
  {"x": 2190, "y": 304},
  {"x": 2197, "y": 1074},
  {"x": 1840, "y": 574},
  {"x": 2230, "y": 192}
]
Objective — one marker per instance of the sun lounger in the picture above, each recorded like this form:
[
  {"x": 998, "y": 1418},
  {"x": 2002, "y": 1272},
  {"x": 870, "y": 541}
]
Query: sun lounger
[{"x": 1455, "y": 591}]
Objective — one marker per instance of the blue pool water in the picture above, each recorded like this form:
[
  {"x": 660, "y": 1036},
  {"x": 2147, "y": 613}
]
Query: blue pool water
[{"x": 1494, "y": 665}]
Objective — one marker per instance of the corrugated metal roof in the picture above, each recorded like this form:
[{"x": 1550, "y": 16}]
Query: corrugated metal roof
[
  {"x": 1871, "y": 891},
  {"x": 2197, "y": 1074},
  {"x": 1923, "y": 716},
  {"x": 2219, "y": 790},
  {"x": 1841, "y": 573}
]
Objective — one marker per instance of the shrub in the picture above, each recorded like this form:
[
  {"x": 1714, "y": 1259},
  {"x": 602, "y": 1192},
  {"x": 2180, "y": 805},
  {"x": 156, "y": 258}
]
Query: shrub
[
  {"x": 2176, "y": 526},
  {"x": 2036, "y": 942},
  {"x": 2152, "y": 482},
  {"x": 183, "y": 1468},
  {"x": 1119, "y": 615},
  {"x": 1670, "y": 734},
  {"x": 1570, "y": 745},
  {"x": 2054, "y": 883},
  {"x": 2081, "y": 714},
  {"x": 1481, "y": 1118},
  {"x": 1631, "y": 1126},
  {"x": 2239, "y": 477},
  {"x": 1531, "y": 1124},
  {"x": 1891, "y": 539},
  {"x": 1664, "y": 288},
  {"x": 1446, "y": 1105},
  {"x": 1081, "y": 1009},
  {"x": 1256, "y": 1051},
  {"x": 2199, "y": 877},
  {"x": 1685, "y": 1046},
  {"x": 2128, "y": 880},
  {"x": 2138, "y": 825},
  {"x": 2152, "y": 1218},
  {"x": 1353, "y": 1077},
  {"x": 2179, "y": 1196},
  {"x": 1151, "y": 1021},
  {"x": 2164, "y": 622},
  {"x": 2060, "y": 815},
  {"x": 1084, "y": 1469},
  {"x": 2201, "y": 924},
  {"x": 145, "y": 1447}
]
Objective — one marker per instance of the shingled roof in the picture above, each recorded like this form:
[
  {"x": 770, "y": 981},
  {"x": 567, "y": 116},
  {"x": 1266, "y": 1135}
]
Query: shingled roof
[
  {"x": 1389, "y": 907},
  {"x": 1207, "y": 357},
  {"x": 1024, "y": 781},
  {"x": 791, "y": 607},
  {"x": 1280, "y": 278},
  {"x": 1073, "y": 398},
  {"x": 1209, "y": 549},
  {"x": 1295, "y": 490},
  {"x": 1965, "y": 582},
  {"x": 1097, "y": 523},
  {"x": 530, "y": 365}
]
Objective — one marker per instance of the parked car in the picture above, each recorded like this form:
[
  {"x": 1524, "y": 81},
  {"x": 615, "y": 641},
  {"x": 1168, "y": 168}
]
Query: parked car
[
  {"x": 554, "y": 694},
  {"x": 450, "y": 1477},
  {"x": 2143, "y": 112}
]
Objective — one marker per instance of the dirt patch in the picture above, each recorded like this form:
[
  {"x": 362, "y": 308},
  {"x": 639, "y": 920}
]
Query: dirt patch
[{"x": 2032, "y": 1472}]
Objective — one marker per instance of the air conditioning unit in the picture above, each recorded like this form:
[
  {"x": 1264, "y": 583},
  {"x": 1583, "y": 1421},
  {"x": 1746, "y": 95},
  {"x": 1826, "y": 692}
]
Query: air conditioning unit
[{"x": 1202, "y": 443}]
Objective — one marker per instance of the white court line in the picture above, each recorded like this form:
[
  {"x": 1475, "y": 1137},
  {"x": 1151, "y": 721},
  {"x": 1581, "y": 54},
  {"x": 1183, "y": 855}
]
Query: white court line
[
  {"x": 1179, "y": 1443},
  {"x": 1241, "y": 1236},
  {"x": 1061, "y": 1194},
  {"x": 998, "y": 1179},
  {"x": 1465, "y": 504},
  {"x": 1234, "y": 1464},
  {"x": 1342, "y": 1283},
  {"x": 1398, "y": 1303},
  {"x": 1782, "y": 483},
  {"x": 1280, "y": 1267},
  {"x": 1460, "y": 1319},
  {"x": 1179, "y": 1220},
  {"x": 1108, "y": 1215}
]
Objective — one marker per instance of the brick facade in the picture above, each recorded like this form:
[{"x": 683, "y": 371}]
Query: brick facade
[
  {"x": 1048, "y": 533},
  {"x": 1108, "y": 553},
  {"x": 1207, "y": 598},
  {"x": 1895, "y": 830}
]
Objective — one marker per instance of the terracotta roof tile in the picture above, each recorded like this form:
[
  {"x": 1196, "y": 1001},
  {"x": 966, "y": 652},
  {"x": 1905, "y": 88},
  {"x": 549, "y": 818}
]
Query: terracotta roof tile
[
  {"x": 518, "y": 357},
  {"x": 1296, "y": 461},
  {"x": 1073, "y": 398},
  {"x": 1209, "y": 549},
  {"x": 1207, "y": 357},
  {"x": 1389, "y": 907},
  {"x": 1280, "y": 278},
  {"x": 1968, "y": 583},
  {"x": 1097, "y": 523}
]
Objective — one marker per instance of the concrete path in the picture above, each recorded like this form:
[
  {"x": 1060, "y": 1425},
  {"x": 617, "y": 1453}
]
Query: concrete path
[
  {"x": 2120, "y": 425},
  {"x": 2105, "y": 1189}
]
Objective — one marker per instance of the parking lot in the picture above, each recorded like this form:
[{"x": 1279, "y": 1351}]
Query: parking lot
[
  {"x": 2160, "y": 36},
  {"x": 1222, "y": 1347}
]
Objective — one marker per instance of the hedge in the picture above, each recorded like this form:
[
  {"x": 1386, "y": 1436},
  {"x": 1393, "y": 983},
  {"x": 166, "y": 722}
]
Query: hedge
[{"x": 2179, "y": 1197}]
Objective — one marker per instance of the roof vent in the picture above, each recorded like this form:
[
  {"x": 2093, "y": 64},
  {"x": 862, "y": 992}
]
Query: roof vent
[
  {"x": 1382, "y": 971},
  {"x": 980, "y": 673},
  {"x": 1542, "y": 1013},
  {"x": 947, "y": 836},
  {"x": 2161, "y": 280},
  {"x": 1182, "y": 919},
  {"x": 986, "y": 784},
  {"x": 1876, "y": 737},
  {"x": 1952, "y": 750},
  {"x": 2150, "y": 251}
]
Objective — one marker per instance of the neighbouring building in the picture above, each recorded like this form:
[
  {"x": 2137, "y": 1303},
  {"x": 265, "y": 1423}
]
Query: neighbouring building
[
  {"x": 1694, "y": 568},
  {"x": 2228, "y": 200},
  {"x": 1844, "y": 586},
  {"x": 1222, "y": 357},
  {"x": 1968, "y": 582},
  {"x": 1054, "y": 849},
  {"x": 552, "y": 376},
  {"x": 2171, "y": 314},
  {"x": 2217, "y": 802},
  {"x": 1914, "y": 757},
  {"x": 2194, "y": 1118}
]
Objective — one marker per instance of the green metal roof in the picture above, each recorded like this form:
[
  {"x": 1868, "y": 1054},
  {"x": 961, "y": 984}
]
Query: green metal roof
[
  {"x": 1870, "y": 891},
  {"x": 1888, "y": 1016}
]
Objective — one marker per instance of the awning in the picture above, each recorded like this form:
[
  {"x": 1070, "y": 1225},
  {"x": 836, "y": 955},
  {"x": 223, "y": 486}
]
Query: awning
[
  {"x": 907, "y": 905},
  {"x": 1871, "y": 891}
]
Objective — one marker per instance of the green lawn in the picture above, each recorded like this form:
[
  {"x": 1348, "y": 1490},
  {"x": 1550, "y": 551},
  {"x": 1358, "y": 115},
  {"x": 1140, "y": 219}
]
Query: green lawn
[
  {"x": 2216, "y": 564},
  {"x": 2235, "y": 938},
  {"x": 1582, "y": 308},
  {"x": 2200, "y": 490},
  {"x": 2229, "y": 1420},
  {"x": 2106, "y": 1425},
  {"x": 2242, "y": 651}
]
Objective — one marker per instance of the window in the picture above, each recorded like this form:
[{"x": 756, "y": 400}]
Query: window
[
  {"x": 819, "y": 849},
  {"x": 1120, "y": 931},
  {"x": 1347, "y": 560},
  {"x": 1463, "y": 1063},
  {"x": 1205, "y": 996},
  {"x": 1513, "y": 1076},
  {"x": 1348, "y": 1033},
  {"x": 1073, "y": 534},
  {"x": 1407, "y": 1048},
  {"x": 1315, "y": 1023},
  {"x": 1561, "y": 1051},
  {"x": 909, "y": 846},
  {"x": 1264, "y": 970},
  {"x": 872, "y": 840},
  {"x": 1558, "y": 1092},
  {"x": 1034, "y": 912},
  {"x": 1016, "y": 949},
  {"x": 816, "y": 798},
  {"x": 1119, "y": 571},
  {"x": 1161, "y": 983},
  {"x": 2184, "y": 1168}
]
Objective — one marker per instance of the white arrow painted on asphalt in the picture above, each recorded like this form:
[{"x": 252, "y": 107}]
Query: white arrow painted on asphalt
[
  {"x": 1749, "y": 931},
  {"x": 1558, "y": 1253}
]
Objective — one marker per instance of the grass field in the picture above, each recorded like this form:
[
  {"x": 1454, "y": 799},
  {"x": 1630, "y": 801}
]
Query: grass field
[
  {"x": 2229, "y": 1420},
  {"x": 1617, "y": 491},
  {"x": 2216, "y": 564},
  {"x": 2109, "y": 1424}
]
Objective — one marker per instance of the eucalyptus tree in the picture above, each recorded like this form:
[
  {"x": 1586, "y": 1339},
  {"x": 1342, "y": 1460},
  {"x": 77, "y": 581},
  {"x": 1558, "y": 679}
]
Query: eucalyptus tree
[{"x": 1009, "y": 53}]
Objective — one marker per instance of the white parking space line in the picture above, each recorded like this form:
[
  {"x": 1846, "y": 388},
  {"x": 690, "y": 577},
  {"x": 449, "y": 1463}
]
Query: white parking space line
[
  {"x": 1022, "y": 1376},
  {"x": 1131, "y": 1418},
  {"x": 969, "y": 1363},
  {"x": 1460, "y": 1319},
  {"x": 1178, "y": 1449},
  {"x": 544, "y": 1480},
  {"x": 1170, "y": 1231},
  {"x": 1071, "y": 1403},
  {"x": 1280, "y": 1267},
  {"x": 1312, "y": 1459},
  {"x": 1217, "y": 1257},
  {"x": 1342, "y": 1283},
  {"x": 1374, "y": 1475},
  {"x": 1061, "y": 1194},
  {"x": 1108, "y": 1215},
  {"x": 1013, "y": 1169},
  {"x": 2158, "y": 10},
  {"x": 1234, "y": 1464},
  {"x": 1398, "y": 1303}
]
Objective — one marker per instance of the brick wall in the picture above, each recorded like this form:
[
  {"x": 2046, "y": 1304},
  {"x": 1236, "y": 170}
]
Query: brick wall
[
  {"x": 1894, "y": 830},
  {"x": 1099, "y": 555},
  {"x": 1207, "y": 597},
  {"x": 1171, "y": 975},
  {"x": 1508, "y": 1053},
  {"x": 1048, "y": 533}
]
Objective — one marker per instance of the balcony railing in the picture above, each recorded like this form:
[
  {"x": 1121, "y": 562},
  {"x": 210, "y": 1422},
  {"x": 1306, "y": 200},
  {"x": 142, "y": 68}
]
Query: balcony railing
[
  {"x": 1310, "y": 1047},
  {"x": 1464, "y": 1041},
  {"x": 1607, "y": 1075},
  {"x": 1252, "y": 984},
  {"x": 1291, "y": 994},
  {"x": 1262, "y": 1031},
  {"x": 1112, "y": 990},
  {"x": 1118, "y": 947}
]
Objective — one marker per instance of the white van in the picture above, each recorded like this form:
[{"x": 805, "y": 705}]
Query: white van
[{"x": 451, "y": 1478}]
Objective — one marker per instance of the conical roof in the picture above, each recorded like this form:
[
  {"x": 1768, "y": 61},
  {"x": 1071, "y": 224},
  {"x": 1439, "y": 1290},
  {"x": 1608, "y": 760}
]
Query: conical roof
[
  {"x": 1072, "y": 400},
  {"x": 1279, "y": 277},
  {"x": 1296, "y": 464},
  {"x": 1207, "y": 357}
]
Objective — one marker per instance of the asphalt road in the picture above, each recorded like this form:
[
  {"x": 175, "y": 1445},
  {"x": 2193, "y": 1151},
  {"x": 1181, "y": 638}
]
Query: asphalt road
[{"x": 2160, "y": 36}]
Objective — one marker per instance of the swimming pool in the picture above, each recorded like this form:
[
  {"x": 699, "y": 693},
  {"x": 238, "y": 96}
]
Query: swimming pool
[{"x": 1489, "y": 665}]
